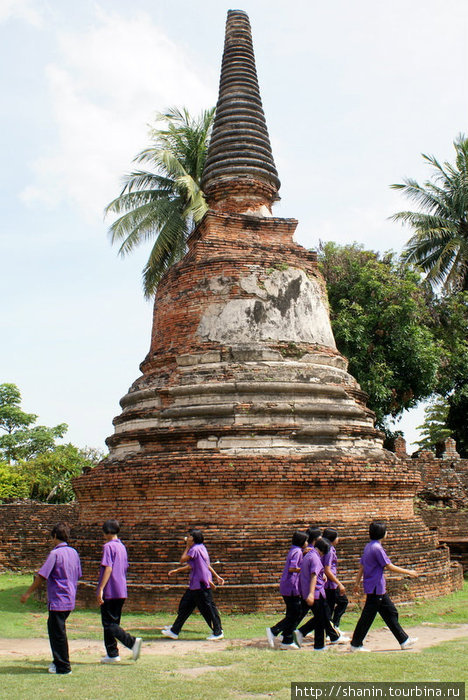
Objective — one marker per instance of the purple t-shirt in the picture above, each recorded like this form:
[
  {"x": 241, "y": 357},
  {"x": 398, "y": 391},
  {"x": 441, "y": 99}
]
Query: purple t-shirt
[
  {"x": 330, "y": 559},
  {"x": 289, "y": 583},
  {"x": 373, "y": 560},
  {"x": 114, "y": 554},
  {"x": 62, "y": 569},
  {"x": 200, "y": 576},
  {"x": 312, "y": 564}
]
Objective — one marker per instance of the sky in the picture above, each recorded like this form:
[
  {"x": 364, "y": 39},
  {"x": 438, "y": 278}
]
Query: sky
[{"x": 353, "y": 93}]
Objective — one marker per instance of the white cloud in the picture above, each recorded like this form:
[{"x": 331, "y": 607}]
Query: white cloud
[
  {"x": 25, "y": 10},
  {"x": 108, "y": 85}
]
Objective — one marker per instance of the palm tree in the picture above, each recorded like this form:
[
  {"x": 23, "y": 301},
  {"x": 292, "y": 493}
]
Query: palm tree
[
  {"x": 439, "y": 245},
  {"x": 165, "y": 201}
]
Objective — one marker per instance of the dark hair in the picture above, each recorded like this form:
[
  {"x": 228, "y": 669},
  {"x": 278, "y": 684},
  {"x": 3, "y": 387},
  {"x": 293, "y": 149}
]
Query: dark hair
[
  {"x": 377, "y": 530},
  {"x": 330, "y": 534},
  {"x": 197, "y": 536},
  {"x": 299, "y": 538},
  {"x": 322, "y": 545},
  {"x": 313, "y": 533},
  {"x": 111, "y": 527},
  {"x": 61, "y": 531}
]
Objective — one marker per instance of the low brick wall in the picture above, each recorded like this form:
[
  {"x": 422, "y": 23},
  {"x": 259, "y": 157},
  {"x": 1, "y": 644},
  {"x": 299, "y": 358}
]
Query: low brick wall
[{"x": 24, "y": 532}]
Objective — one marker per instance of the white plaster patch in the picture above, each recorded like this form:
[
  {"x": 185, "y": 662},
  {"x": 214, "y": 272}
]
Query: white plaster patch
[{"x": 285, "y": 306}]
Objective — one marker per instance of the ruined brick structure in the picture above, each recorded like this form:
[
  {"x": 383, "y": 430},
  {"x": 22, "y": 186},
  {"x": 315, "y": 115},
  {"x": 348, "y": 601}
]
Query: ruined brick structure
[{"x": 245, "y": 421}]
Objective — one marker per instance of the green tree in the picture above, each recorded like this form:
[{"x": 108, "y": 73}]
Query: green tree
[
  {"x": 434, "y": 429},
  {"x": 49, "y": 475},
  {"x": 21, "y": 439},
  {"x": 450, "y": 328},
  {"x": 380, "y": 318},
  {"x": 164, "y": 201},
  {"x": 439, "y": 245}
]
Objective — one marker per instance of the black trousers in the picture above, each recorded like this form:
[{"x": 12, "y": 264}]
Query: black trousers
[
  {"x": 111, "y": 611},
  {"x": 378, "y": 604},
  {"x": 203, "y": 600},
  {"x": 337, "y": 604},
  {"x": 58, "y": 639},
  {"x": 292, "y": 618},
  {"x": 319, "y": 622}
]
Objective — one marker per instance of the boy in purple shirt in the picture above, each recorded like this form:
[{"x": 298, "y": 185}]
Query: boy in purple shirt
[
  {"x": 289, "y": 589},
  {"x": 312, "y": 586},
  {"x": 112, "y": 593},
  {"x": 334, "y": 589},
  {"x": 61, "y": 570},
  {"x": 374, "y": 561},
  {"x": 198, "y": 595}
]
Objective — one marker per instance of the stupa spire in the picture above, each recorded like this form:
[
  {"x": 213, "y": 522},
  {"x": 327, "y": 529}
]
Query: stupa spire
[{"x": 240, "y": 174}]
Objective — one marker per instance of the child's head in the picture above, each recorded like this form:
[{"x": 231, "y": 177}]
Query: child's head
[
  {"x": 61, "y": 532},
  {"x": 111, "y": 527},
  {"x": 330, "y": 534},
  {"x": 197, "y": 536},
  {"x": 377, "y": 530},
  {"x": 299, "y": 539},
  {"x": 322, "y": 545},
  {"x": 313, "y": 533}
]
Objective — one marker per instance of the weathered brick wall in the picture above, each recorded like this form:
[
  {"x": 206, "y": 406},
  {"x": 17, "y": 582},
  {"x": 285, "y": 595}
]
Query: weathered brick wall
[{"x": 24, "y": 532}]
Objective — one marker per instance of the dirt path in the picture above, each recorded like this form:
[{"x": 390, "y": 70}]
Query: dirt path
[{"x": 379, "y": 640}]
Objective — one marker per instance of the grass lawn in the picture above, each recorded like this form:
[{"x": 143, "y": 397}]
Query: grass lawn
[{"x": 236, "y": 672}]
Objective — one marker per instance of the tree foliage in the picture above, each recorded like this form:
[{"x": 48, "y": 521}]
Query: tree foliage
[
  {"x": 439, "y": 245},
  {"x": 380, "y": 318},
  {"x": 450, "y": 328},
  {"x": 21, "y": 439},
  {"x": 31, "y": 464},
  {"x": 434, "y": 428},
  {"x": 164, "y": 201}
]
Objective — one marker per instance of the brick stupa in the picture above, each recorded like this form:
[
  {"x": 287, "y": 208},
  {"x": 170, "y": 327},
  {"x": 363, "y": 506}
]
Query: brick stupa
[{"x": 245, "y": 421}]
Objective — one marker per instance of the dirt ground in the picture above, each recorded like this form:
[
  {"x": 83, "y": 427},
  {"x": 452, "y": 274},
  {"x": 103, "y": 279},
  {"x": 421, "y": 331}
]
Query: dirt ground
[{"x": 379, "y": 640}]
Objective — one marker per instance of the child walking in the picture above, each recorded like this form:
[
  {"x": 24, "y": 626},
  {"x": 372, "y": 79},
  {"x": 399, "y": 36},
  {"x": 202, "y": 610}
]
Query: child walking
[
  {"x": 289, "y": 589},
  {"x": 198, "y": 594},
  {"x": 312, "y": 585},
  {"x": 334, "y": 589},
  {"x": 112, "y": 593},
  {"x": 61, "y": 570},
  {"x": 374, "y": 561}
]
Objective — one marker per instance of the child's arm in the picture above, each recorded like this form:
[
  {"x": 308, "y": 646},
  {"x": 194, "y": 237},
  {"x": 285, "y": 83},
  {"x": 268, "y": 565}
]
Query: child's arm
[
  {"x": 331, "y": 577},
  {"x": 310, "y": 598},
  {"x": 294, "y": 569},
  {"x": 185, "y": 557},
  {"x": 398, "y": 570},
  {"x": 37, "y": 583},
  {"x": 105, "y": 577},
  {"x": 186, "y": 567},
  {"x": 219, "y": 580},
  {"x": 358, "y": 578}
]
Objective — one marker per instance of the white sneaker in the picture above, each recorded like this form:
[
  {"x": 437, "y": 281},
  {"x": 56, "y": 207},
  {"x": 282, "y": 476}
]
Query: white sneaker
[
  {"x": 270, "y": 637},
  {"x": 136, "y": 648},
  {"x": 110, "y": 659},
  {"x": 52, "y": 668},
  {"x": 289, "y": 646},
  {"x": 215, "y": 637},
  {"x": 298, "y": 637},
  {"x": 341, "y": 639},
  {"x": 169, "y": 633},
  {"x": 361, "y": 648},
  {"x": 322, "y": 649},
  {"x": 408, "y": 643}
]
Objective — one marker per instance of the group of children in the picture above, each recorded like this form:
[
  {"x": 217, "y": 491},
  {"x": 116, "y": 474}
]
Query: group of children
[{"x": 309, "y": 583}]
